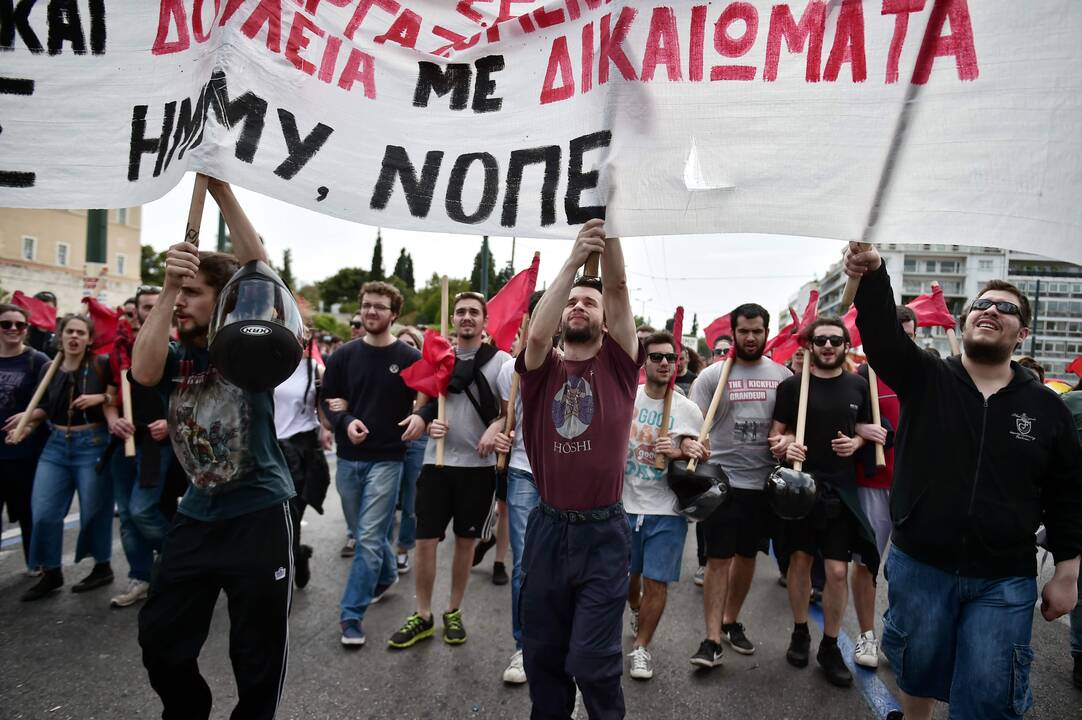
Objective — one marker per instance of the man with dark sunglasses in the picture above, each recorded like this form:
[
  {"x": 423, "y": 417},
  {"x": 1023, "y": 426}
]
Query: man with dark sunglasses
[
  {"x": 836, "y": 527},
  {"x": 20, "y": 365},
  {"x": 721, "y": 348},
  {"x": 984, "y": 455}
]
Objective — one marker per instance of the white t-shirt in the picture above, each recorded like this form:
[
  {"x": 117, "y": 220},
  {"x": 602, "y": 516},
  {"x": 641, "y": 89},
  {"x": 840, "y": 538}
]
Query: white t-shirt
[
  {"x": 466, "y": 427},
  {"x": 294, "y": 411},
  {"x": 518, "y": 458},
  {"x": 646, "y": 490}
]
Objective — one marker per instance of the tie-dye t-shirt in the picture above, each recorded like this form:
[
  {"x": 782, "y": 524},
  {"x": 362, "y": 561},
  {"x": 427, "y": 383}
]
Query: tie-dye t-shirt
[{"x": 576, "y": 416}]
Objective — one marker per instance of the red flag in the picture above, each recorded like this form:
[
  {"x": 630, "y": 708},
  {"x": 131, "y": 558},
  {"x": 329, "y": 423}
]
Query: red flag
[
  {"x": 506, "y": 308},
  {"x": 932, "y": 310},
  {"x": 1076, "y": 366},
  {"x": 719, "y": 328},
  {"x": 850, "y": 320},
  {"x": 785, "y": 350},
  {"x": 677, "y": 331},
  {"x": 42, "y": 314},
  {"x": 784, "y": 333},
  {"x": 105, "y": 322},
  {"x": 432, "y": 373}
]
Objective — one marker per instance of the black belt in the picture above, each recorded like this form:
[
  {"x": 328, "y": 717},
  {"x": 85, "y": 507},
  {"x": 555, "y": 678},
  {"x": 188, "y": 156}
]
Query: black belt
[{"x": 581, "y": 516}]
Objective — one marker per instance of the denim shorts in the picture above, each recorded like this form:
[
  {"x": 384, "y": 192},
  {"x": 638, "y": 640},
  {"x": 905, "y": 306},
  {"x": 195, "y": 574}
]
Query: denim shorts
[
  {"x": 961, "y": 640},
  {"x": 657, "y": 546}
]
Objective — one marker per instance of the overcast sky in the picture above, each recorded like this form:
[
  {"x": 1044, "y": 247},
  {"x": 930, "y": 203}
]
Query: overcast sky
[{"x": 708, "y": 274}]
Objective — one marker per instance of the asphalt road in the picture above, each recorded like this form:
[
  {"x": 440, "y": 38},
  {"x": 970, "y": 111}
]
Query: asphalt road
[{"x": 71, "y": 656}]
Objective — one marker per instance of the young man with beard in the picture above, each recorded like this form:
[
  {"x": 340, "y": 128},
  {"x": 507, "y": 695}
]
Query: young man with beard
[
  {"x": 577, "y": 411},
  {"x": 836, "y": 527},
  {"x": 138, "y": 481},
  {"x": 657, "y": 530},
  {"x": 463, "y": 489},
  {"x": 233, "y": 530},
  {"x": 984, "y": 456},
  {"x": 366, "y": 373},
  {"x": 740, "y": 444}
]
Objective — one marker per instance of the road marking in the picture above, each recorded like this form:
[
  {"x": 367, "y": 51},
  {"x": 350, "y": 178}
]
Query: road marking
[
  {"x": 876, "y": 693},
  {"x": 14, "y": 537}
]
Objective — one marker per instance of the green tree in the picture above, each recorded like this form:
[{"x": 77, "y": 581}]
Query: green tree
[
  {"x": 311, "y": 294},
  {"x": 151, "y": 266},
  {"x": 342, "y": 287},
  {"x": 494, "y": 284},
  {"x": 286, "y": 272},
  {"x": 427, "y": 300},
  {"x": 376, "y": 273},
  {"x": 695, "y": 324},
  {"x": 403, "y": 268}
]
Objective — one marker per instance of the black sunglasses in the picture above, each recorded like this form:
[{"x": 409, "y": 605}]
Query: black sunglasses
[
  {"x": 9, "y": 324},
  {"x": 834, "y": 340},
  {"x": 718, "y": 352},
  {"x": 1007, "y": 308},
  {"x": 658, "y": 357},
  {"x": 354, "y": 324}
]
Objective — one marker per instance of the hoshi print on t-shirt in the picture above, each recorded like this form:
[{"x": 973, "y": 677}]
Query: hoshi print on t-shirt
[{"x": 573, "y": 407}]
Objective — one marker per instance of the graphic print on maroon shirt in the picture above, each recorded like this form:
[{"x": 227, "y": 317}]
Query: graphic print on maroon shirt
[{"x": 576, "y": 416}]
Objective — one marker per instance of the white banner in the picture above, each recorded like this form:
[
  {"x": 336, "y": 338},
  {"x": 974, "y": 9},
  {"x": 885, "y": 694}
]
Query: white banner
[{"x": 523, "y": 117}]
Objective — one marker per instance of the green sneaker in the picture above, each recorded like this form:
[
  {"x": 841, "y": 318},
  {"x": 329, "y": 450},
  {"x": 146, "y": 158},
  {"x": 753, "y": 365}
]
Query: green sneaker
[
  {"x": 415, "y": 628},
  {"x": 454, "y": 632}
]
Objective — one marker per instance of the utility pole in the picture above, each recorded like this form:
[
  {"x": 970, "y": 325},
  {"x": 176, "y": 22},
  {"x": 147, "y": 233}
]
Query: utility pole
[
  {"x": 484, "y": 265},
  {"x": 97, "y": 236},
  {"x": 513, "y": 239}
]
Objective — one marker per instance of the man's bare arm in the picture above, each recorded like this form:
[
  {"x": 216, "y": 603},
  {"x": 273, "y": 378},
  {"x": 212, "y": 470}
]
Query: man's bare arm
[
  {"x": 617, "y": 302},
  {"x": 246, "y": 243}
]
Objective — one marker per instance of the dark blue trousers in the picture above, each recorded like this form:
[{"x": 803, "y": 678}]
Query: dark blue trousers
[{"x": 574, "y": 587}]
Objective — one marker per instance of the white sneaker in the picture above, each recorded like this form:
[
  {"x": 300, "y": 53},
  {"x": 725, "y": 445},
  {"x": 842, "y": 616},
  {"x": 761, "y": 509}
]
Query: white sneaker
[
  {"x": 700, "y": 576},
  {"x": 642, "y": 665},
  {"x": 635, "y": 623},
  {"x": 515, "y": 674},
  {"x": 137, "y": 590},
  {"x": 866, "y": 653}
]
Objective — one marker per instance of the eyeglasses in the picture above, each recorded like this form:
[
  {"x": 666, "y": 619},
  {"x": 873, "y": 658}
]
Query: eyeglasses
[
  {"x": 355, "y": 324},
  {"x": 1007, "y": 308},
  {"x": 374, "y": 306},
  {"x": 834, "y": 340},
  {"x": 658, "y": 357},
  {"x": 12, "y": 324},
  {"x": 718, "y": 352}
]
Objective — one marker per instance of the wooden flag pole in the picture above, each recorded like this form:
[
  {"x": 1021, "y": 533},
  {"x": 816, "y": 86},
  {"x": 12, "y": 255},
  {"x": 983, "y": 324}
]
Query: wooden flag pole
[
  {"x": 802, "y": 405},
  {"x": 952, "y": 340},
  {"x": 715, "y": 401},
  {"x": 660, "y": 461},
  {"x": 877, "y": 417},
  {"x": 125, "y": 395},
  {"x": 592, "y": 268},
  {"x": 195, "y": 210},
  {"x": 441, "y": 401},
  {"x": 20, "y": 428},
  {"x": 512, "y": 396}
]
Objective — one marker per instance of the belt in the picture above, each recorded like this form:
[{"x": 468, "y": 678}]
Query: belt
[{"x": 582, "y": 516}]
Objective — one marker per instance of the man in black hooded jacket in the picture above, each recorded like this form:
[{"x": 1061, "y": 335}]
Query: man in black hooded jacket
[{"x": 983, "y": 456}]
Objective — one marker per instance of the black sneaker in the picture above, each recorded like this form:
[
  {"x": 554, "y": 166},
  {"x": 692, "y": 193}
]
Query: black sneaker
[
  {"x": 1078, "y": 671},
  {"x": 830, "y": 659},
  {"x": 415, "y": 629},
  {"x": 799, "y": 647},
  {"x": 734, "y": 633},
  {"x": 708, "y": 656},
  {"x": 454, "y": 632},
  {"x": 302, "y": 573},
  {"x": 499, "y": 574},
  {"x": 100, "y": 576},
  {"x": 481, "y": 548},
  {"x": 50, "y": 581}
]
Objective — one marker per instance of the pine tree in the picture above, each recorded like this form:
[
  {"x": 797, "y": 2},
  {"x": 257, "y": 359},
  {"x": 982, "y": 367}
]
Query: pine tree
[
  {"x": 377, "y": 273},
  {"x": 475, "y": 276},
  {"x": 403, "y": 268},
  {"x": 287, "y": 269}
]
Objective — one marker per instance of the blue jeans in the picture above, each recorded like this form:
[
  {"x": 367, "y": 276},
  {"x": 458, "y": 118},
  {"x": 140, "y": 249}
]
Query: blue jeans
[
  {"x": 521, "y": 499},
  {"x": 411, "y": 470},
  {"x": 368, "y": 491},
  {"x": 142, "y": 524},
  {"x": 962, "y": 640},
  {"x": 1076, "y": 623},
  {"x": 68, "y": 464}
]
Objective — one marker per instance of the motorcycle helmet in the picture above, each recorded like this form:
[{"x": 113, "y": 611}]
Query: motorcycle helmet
[
  {"x": 700, "y": 493},
  {"x": 256, "y": 332},
  {"x": 791, "y": 493}
]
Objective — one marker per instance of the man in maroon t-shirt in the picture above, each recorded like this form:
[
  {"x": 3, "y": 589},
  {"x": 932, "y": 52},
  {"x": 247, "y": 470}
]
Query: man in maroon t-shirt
[
  {"x": 576, "y": 416},
  {"x": 873, "y": 490}
]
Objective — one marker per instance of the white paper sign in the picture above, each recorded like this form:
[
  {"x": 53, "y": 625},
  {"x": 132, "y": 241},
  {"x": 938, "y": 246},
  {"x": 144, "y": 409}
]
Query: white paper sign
[{"x": 523, "y": 117}]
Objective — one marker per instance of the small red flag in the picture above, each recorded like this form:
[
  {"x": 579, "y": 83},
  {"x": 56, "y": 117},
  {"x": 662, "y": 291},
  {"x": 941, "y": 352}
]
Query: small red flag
[
  {"x": 432, "y": 373},
  {"x": 721, "y": 327},
  {"x": 850, "y": 320},
  {"x": 784, "y": 333},
  {"x": 105, "y": 322},
  {"x": 42, "y": 314},
  {"x": 932, "y": 310},
  {"x": 785, "y": 350},
  {"x": 677, "y": 331},
  {"x": 1076, "y": 366},
  {"x": 506, "y": 308}
]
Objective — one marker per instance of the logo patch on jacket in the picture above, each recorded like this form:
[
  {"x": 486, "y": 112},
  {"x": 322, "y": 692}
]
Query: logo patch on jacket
[{"x": 1023, "y": 426}]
